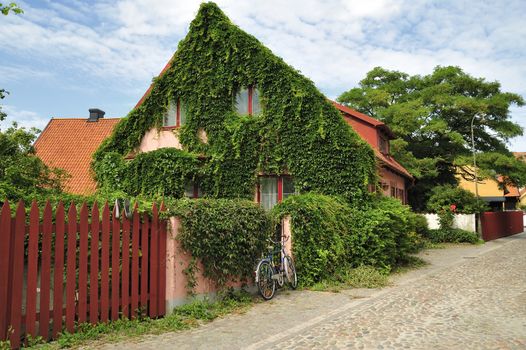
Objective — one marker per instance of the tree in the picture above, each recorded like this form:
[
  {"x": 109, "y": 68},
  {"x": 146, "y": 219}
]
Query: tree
[
  {"x": 432, "y": 115},
  {"x": 22, "y": 174},
  {"x": 12, "y": 7}
]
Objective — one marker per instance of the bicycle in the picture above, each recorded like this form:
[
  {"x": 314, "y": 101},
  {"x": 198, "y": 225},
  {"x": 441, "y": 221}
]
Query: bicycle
[{"x": 268, "y": 274}]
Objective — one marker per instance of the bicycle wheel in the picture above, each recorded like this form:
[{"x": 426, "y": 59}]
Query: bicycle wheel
[
  {"x": 266, "y": 285},
  {"x": 290, "y": 272}
]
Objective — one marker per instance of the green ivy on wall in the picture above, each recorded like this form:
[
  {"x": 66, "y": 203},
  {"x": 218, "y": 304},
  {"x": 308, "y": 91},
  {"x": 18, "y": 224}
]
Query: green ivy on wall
[{"x": 299, "y": 131}]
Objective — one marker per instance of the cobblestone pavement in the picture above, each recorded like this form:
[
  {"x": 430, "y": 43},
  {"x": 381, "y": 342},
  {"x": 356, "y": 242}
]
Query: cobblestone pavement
[{"x": 469, "y": 297}]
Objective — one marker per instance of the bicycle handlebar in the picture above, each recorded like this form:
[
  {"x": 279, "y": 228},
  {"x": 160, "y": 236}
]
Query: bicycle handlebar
[{"x": 286, "y": 238}]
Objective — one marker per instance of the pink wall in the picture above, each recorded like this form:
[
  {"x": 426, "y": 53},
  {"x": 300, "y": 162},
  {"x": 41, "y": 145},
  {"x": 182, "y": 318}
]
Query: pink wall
[{"x": 155, "y": 139}]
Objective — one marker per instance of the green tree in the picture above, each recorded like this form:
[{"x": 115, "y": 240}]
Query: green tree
[
  {"x": 22, "y": 174},
  {"x": 432, "y": 114},
  {"x": 12, "y": 7}
]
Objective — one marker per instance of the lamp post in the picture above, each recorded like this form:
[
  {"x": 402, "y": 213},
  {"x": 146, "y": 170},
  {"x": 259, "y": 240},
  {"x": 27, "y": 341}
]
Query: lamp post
[{"x": 474, "y": 157}]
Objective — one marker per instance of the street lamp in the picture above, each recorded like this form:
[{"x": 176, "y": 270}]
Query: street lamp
[{"x": 474, "y": 157}]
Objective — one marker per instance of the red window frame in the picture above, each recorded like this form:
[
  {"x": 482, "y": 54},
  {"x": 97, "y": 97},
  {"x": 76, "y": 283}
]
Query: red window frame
[
  {"x": 280, "y": 187},
  {"x": 177, "y": 117}
]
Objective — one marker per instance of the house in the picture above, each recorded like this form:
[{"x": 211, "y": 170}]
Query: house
[
  {"x": 69, "y": 144},
  {"x": 257, "y": 127},
  {"x": 394, "y": 178},
  {"x": 499, "y": 197},
  {"x": 522, "y": 191}
]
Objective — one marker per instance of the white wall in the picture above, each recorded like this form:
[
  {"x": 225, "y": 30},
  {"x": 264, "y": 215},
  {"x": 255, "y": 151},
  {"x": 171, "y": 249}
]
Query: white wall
[{"x": 462, "y": 221}]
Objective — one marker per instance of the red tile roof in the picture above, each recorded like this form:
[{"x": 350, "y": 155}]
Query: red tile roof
[
  {"x": 69, "y": 143},
  {"x": 365, "y": 118},
  {"x": 386, "y": 160}
]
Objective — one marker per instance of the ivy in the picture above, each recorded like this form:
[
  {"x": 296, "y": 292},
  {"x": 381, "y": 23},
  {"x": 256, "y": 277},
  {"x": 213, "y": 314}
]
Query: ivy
[
  {"x": 298, "y": 132},
  {"x": 329, "y": 235},
  {"x": 226, "y": 235}
]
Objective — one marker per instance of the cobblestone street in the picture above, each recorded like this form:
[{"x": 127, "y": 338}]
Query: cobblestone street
[{"x": 469, "y": 297}]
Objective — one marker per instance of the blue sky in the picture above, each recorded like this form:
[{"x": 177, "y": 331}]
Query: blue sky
[{"x": 62, "y": 57}]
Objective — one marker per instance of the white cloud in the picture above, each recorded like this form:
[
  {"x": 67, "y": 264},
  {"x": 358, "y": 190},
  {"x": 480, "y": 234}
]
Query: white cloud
[
  {"x": 23, "y": 118},
  {"x": 334, "y": 42}
]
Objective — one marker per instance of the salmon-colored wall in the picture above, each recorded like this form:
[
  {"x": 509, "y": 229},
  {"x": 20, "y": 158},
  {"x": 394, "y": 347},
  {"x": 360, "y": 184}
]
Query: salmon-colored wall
[
  {"x": 155, "y": 139},
  {"x": 176, "y": 261}
]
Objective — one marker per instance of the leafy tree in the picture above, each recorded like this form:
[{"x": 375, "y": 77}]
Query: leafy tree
[
  {"x": 22, "y": 174},
  {"x": 465, "y": 202},
  {"x": 12, "y": 7},
  {"x": 432, "y": 117}
]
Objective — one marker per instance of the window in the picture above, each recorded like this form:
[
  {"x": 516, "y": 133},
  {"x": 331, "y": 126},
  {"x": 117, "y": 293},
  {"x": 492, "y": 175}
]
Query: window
[
  {"x": 273, "y": 189},
  {"x": 393, "y": 190},
  {"x": 247, "y": 101},
  {"x": 192, "y": 190},
  {"x": 383, "y": 145},
  {"x": 175, "y": 115}
]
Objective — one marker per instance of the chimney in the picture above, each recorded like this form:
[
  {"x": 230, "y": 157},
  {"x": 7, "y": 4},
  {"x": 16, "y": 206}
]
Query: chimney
[{"x": 95, "y": 114}]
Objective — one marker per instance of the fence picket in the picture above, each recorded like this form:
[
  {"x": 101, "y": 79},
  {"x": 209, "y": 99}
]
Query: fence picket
[
  {"x": 135, "y": 263},
  {"x": 115, "y": 266},
  {"x": 105, "y": 264},
  {"x": 71, "y": 268},
  {"x": 161, "y": 308},
  {"x": 45, "y": 272},
  {"x": 154, "y": 262},
  {"x": 125, "y": 305},
  {"x": 17, "y": 275},
  {"x": 5, "y": 238},
  {"x": 83, "y": 264},
  {"x": 94, "y": 266},
  {"x": 144, "y": 264},
  {"x": 58, "y": 271},
  {"x": 32, "y": 270}
]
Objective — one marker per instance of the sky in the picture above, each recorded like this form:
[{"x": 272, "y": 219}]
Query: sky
[{"x": 61, "y": 58}]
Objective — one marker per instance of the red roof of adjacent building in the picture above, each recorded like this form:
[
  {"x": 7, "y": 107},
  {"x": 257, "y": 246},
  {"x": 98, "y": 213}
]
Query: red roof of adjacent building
[
  {"x": 385, "y": 159},
  {"x": 69, "y": 144}
]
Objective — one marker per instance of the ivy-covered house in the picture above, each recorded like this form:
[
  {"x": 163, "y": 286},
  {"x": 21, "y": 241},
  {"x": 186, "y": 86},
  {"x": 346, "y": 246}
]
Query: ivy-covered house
[{"x": 227, "y": 118}]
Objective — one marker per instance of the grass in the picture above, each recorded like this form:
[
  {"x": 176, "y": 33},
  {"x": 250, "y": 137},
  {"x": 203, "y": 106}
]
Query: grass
[
  {"x": 183, "y": 317},
  {"x": 360, "y": 277}
]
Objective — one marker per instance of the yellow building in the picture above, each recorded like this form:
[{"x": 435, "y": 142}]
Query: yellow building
[
  {"x": 522, "y": 191},
  {"x": 497, "y": 196}
]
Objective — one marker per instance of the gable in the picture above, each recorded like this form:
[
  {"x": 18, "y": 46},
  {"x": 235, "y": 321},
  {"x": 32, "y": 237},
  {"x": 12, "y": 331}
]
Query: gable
[{"x": 299, "y": 131}]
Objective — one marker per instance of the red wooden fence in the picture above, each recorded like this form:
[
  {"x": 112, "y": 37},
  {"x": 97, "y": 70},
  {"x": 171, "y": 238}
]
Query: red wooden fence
[
  {"x": 501, "y": 224},
  {"x": 58, "y": 273}
]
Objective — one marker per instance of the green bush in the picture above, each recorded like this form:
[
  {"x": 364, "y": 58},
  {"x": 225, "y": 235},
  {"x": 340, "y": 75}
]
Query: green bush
[
  {"x": 227, "y": 235},
  {"x": 443, "y": 197},
  {"x": 453, "y": 235},
  {"x": 329, "y": 235}
]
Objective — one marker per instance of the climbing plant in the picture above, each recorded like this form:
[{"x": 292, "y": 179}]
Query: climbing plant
[{"x": 297, "y": 132}]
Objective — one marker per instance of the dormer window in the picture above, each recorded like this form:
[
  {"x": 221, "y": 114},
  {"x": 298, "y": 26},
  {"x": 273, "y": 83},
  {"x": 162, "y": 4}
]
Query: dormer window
[
  {"x": 247, "y": 101},
  {"x": 383, "y": 145},
  {"x": 175, "y": 115}
]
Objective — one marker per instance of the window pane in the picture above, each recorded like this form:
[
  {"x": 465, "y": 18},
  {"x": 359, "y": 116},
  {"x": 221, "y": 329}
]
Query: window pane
[
  {"x": 256, "y": 106},
  {"x": 189, "y": 189},
  {"x": 169, "y": 117},
  {"x": 242, "y": 102},
  {"x": 182, "y": 113},
  {"x": 288, "y": 187},
  {"x": 268, "y": 187}
]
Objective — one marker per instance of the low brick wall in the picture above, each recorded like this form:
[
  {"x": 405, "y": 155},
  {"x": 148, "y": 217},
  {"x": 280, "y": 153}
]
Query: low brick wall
[{"x": 501, "y": 224}]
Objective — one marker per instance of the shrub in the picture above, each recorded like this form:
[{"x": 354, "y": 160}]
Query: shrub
[
  {"x": 453, "y": 235},
  {"x": 329, "y": 235},
  {"x": 227, "y": 235},
  {"x": 465, "y": 202}
]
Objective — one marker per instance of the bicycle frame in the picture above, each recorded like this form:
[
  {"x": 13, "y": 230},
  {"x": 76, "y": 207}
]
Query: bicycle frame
[{"x": 279, "y": 247}]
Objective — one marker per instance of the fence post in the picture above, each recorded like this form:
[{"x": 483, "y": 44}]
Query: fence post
[
  {"x": 135, "y": 263},
  {"x": 32, "y": 270},
  {"x": 115, "y": 266},
  {"x": 154, "y": 262},
  {"x": 5, "y": 238},
  {"x": 45, "y": 271},
  {"x": 125, "y": 293},
  {"x": 94, "y": 268},
  {"x": 17, "y": 275},
  {"x": 105, "y": 264},
  {"x": 144, "y": 263},
  {"x": 58, "y": 272},
  {"x": 161, "y": 308},
  {"x": 71, "y": 278}
]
